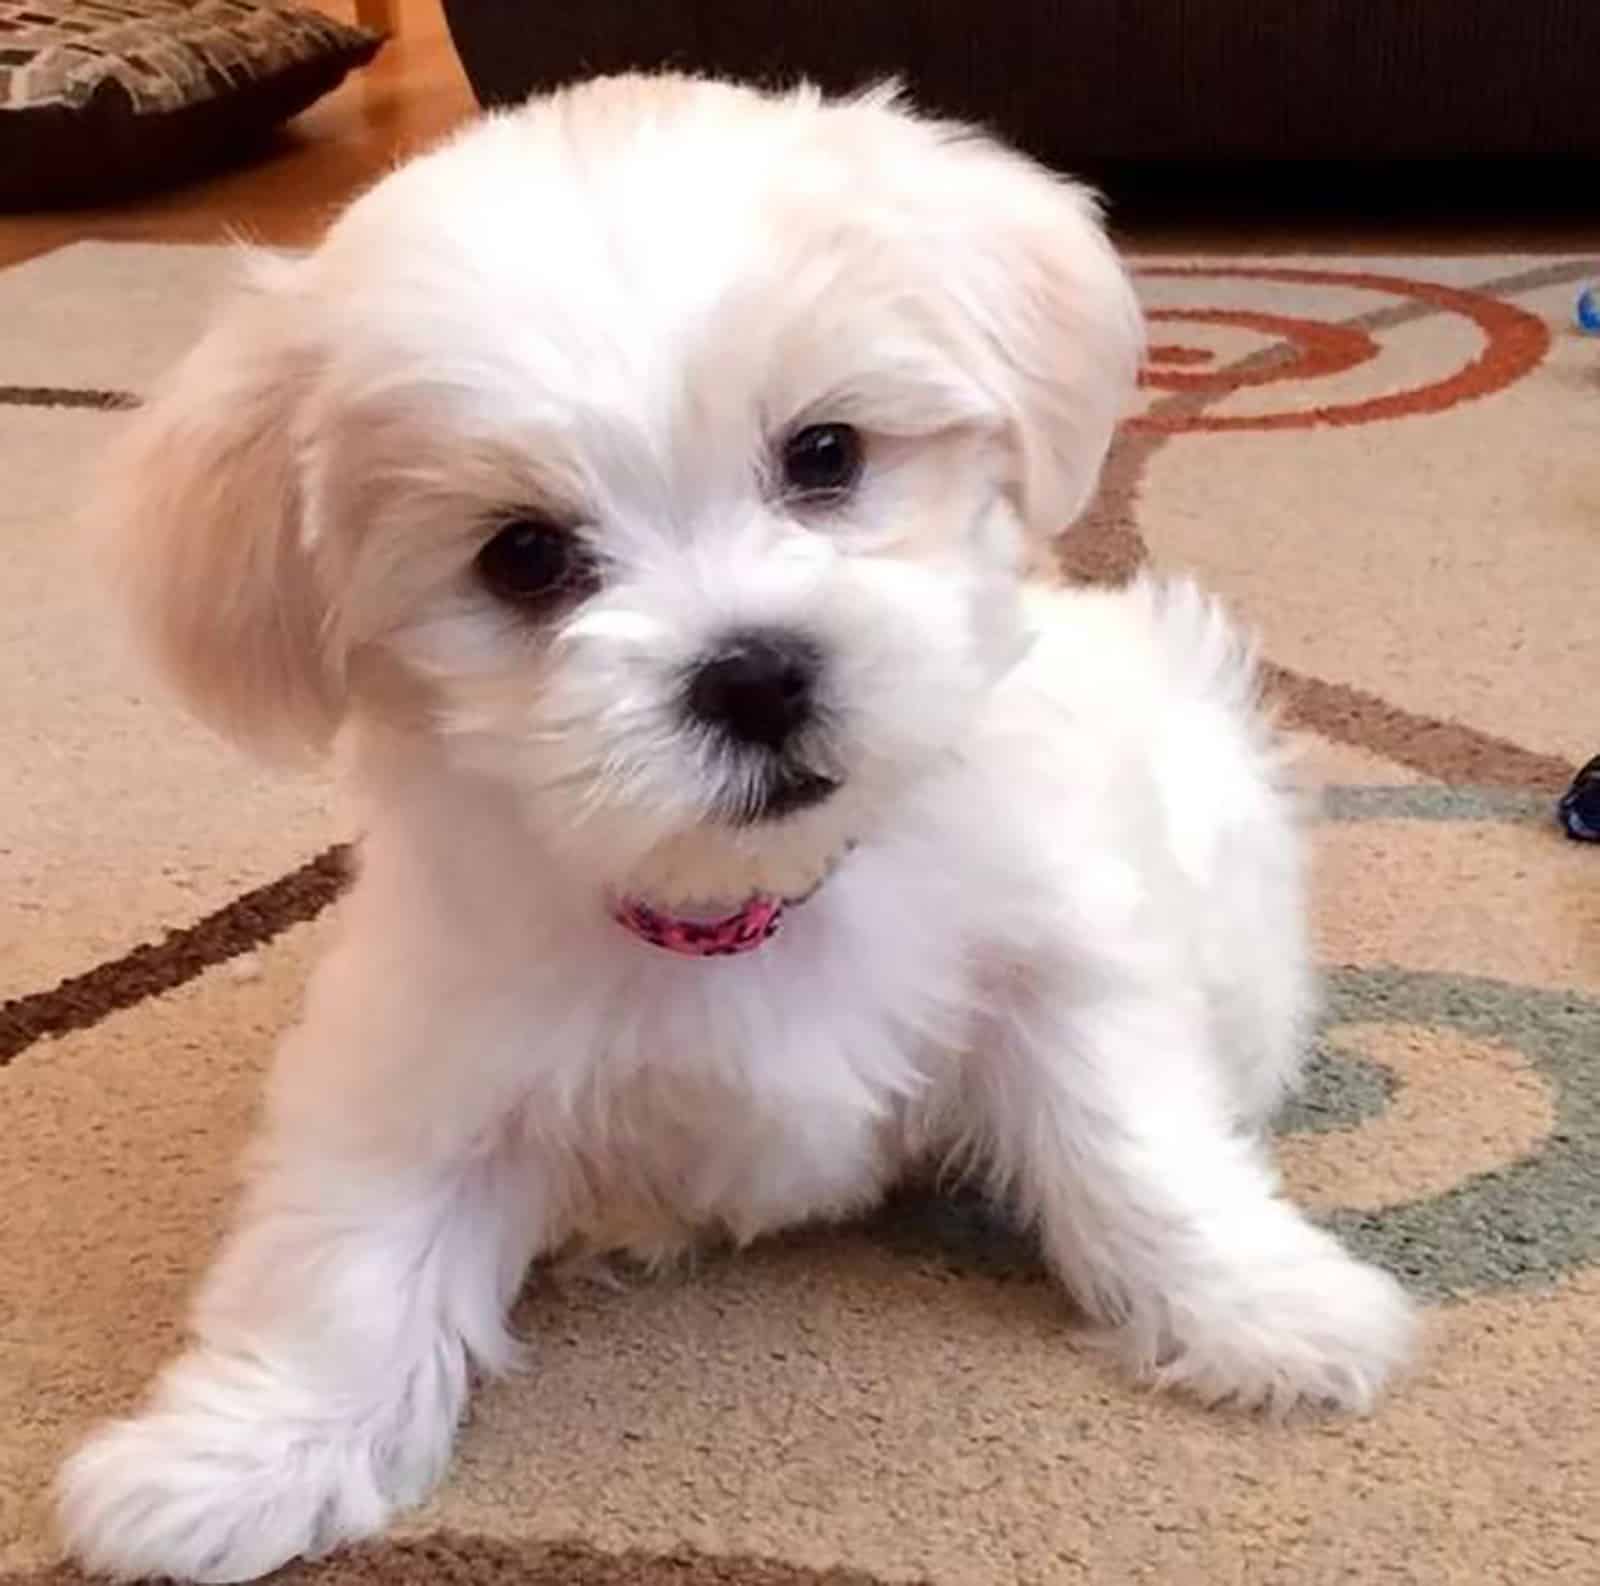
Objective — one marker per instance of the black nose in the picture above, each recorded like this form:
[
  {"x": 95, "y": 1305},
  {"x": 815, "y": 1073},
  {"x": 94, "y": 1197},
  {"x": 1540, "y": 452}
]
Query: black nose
[{"x": 757, "y": 688}]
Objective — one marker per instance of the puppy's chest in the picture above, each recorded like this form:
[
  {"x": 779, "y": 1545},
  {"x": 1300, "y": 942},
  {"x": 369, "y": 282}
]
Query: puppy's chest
[
  {"x": 740, "y": 1108},
  {"x": 678, "y": 1163}
]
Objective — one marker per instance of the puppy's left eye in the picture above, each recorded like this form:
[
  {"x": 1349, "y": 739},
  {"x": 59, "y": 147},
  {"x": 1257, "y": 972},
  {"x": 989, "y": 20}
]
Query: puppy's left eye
[
  {"x": 822, "y": 462},
  {"x": 532, "y": 562}
]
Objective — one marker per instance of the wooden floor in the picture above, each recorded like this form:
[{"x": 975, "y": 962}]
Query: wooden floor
[
  {"x": 415, "y": 91},
  {"x": 410, "y": 95}
]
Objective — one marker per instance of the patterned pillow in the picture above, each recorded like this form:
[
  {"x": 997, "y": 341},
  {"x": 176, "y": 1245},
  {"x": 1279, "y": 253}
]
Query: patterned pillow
[{"x": 99, "y": 98}]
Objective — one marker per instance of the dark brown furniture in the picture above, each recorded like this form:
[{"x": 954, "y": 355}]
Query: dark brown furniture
[{"x": 1088, "y": 81}]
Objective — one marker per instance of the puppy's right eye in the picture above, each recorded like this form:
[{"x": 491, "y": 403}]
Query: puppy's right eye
[
  {"x": 822, "y": 462},
  {"x": 533, "y": 562}
]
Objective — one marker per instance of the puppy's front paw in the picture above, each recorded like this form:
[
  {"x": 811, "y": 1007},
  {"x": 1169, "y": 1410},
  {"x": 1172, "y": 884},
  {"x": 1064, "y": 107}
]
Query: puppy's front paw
[
  {"x": 232, "y": 1473},
  {"x": 201, "y": 1498},
  {"x": 1324, "y": 1330}
]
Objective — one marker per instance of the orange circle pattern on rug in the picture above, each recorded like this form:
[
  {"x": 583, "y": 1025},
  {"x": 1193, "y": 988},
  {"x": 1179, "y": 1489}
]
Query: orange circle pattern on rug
[
  {"x": 1320, "y": 349},
  {"x": 1168, "y": 352},
  {"x": 1515, "y": 343}
]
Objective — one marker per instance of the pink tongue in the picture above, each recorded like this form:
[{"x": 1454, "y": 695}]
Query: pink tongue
[{"x": 703, "y": 934}]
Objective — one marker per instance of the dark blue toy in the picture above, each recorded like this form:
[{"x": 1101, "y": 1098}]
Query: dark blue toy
[
  {"x": 1589, "y": 310},
  {"x": 1579, "y": 809}
]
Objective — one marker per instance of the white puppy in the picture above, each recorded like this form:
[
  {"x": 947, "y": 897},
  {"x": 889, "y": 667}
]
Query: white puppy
[{"x": 639, "y": 488}]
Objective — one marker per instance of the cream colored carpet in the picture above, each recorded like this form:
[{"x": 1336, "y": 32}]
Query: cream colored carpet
[{"x": 1393, "y": 469}]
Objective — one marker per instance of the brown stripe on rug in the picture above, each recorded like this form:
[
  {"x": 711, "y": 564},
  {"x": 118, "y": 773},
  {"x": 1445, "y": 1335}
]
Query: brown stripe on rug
[
  {"x": 50, "y": 396},
  {"x": 155, "y": 968},
  {"x": 481, "y": 1561},
  {"x": 1448, "y": 751}
]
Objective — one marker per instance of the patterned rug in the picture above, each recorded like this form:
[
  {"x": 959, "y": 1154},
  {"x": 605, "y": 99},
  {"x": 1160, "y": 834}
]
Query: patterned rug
[{"x": 1392, "y": 468}]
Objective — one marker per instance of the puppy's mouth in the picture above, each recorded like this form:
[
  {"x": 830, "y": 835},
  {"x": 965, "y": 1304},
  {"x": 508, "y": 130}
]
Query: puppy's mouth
[{"x": 783, "y": 791}]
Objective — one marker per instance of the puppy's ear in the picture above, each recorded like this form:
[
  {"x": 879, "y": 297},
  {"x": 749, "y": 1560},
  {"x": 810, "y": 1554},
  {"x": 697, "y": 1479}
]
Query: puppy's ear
[
  {"x": 1057, "y": 313},
  {"x": 200, "y": 517}
]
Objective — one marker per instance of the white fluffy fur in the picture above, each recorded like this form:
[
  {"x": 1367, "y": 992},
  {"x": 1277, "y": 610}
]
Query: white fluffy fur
[{"x": 1067, "y": 950}]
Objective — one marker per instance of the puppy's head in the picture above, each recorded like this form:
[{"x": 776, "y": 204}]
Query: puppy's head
[{"x": 666, "y": 451}]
